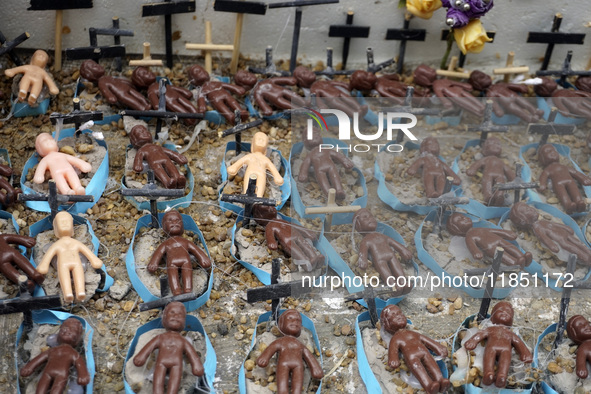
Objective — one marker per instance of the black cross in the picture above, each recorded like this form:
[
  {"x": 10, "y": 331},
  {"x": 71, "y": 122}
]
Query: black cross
[
  {"x": 96, "y": 52},
  {"x": 58, "y": 6},
  {"x": 161, "y": 112},
  {"x": 152, "y": 192},
  {"x": 8, "y": 47},
  {"x": 444, "y": 36},
  {"x": 238, "y": 129},
  {"x": 166, "y": 298},
  {"x": 348, "y": 31},
  {"x": 249, "y": 199},
  {"x": 275, "y": 291},
  {"x": 25, "y": 303},
  {"x": 371, "y": 66},
  {"x": 571, "y": 265},
  {"x": 168, "y": 8},
  {"x": 403, "y": 35},
  {"x": 270, "y": 69},
  {"x": 490, "y": 284},
  {"x": 54, "y": 199},
  {"x": 565, "y": 71},
  {"x": 407, "y": 107},
  {"x": 77, "y": 117},
  {"x": 553, "y": 38},
  {"x": 516, "y": 184},
  {"x": 369, "y": 296},
  {"x": 487, "y": 125},
  {"x": 298, "y": 4},
  {"x": 550, "y": 128}
]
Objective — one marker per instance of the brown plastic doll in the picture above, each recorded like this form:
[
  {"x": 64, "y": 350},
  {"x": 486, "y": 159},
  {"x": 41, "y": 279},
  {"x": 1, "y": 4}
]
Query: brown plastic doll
[
  {"x": 271, "y": 91},
  {"x": 177, "y": 99},
  {"x": 578, "y": 330},
  {"x": 291, "y": 355},
  {"x": 569, "y": 102},
  {"x": 500, "y": 341},
  {"x": 494, "y": 171},
  {"x": 435, "y": 171},
  {"x": 8, "y": 194},
  {"x": 172, "y": 348},
  {"x": 415, "y": 349},
  {"x": 60, "y": 166},
  {"x": 68, "y": 250},
  {"x": 159, "y": 159},
  {"x": 114, "y": 90},
  {"x": 386, "y": 85},
  {"x": 34, "y": 77},
  {"x": 177, "y": 252},
  {"x": 257, "y": 163},
  {"x": 565, "y": 180},
  {"x": 11, "y": 258},
  {"x": 323, "y": 164},
  {"x": 219, "y": 94},
  {"x": 379, "y": 248},
  {"x": 296, "y": 241},
  {"x": 507, "y": 97},
  {"x": 59, "y": 360},
  {"x": 555, "y": 236},
  {"x": 483, "y": 241},
  {"x": 338, "y": 94}
]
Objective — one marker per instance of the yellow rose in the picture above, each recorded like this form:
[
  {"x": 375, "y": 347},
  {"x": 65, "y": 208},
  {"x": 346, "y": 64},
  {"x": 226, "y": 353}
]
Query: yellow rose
[
  {"x": 472, "y": 37},
  {"x": 423, "y": 8}
]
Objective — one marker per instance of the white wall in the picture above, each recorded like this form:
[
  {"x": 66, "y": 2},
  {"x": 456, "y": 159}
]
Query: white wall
[{"x": 511, "y": 19}]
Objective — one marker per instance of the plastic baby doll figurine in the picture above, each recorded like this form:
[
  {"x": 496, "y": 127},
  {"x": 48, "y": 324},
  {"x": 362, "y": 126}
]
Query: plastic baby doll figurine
[
  {"x": 34, "y": 76},
  {"x": 271, "y": 91},
  {"x": 386, "y": 86},
  {"x": 338, "y": 94},
  {"x": 257, "y": 163},
  {"x": 500, "y": 341},
  {"x": 482, "y": 241},
  {"x": 114, "y": 90},
  {"x": 569, "y": 102},
  {"x": 177, "y": 99},
  {"x": 296, "y": 241},
  {"x": 495, "y": 171},
  {"x": 67, "y": 250},
  {"x": 10, "y": 193},
  {"x": 291, "y": 355},
  {"x": 59, "y": 360},
  {"x": 323, "y": 164},
  {"x": 448, "y": 91},
  {"x": 219, "y": 94},
  {"x": 507, "y": 97},
  {"x": 172, "y": 347},
  {"x": 435, "y": 171},
  {"x": 555, "y": 236},
  {"x": 60, "y": 166},
  {"x": 379, "y": 248},
  {"x": 11, "y": 257},
  {"x": 415, "y": 349},
  {"x": 159, "y": 159},
  {"x": 564, "y": 179},
  {"x": 578, "y": 330},
  {"x": 177, "y": 251}
]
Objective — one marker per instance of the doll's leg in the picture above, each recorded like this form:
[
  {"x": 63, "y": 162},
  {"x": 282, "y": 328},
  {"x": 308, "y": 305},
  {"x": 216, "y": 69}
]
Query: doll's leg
[
  {"x": 174, "y": 379},
  {"x": 418, "y": 370},
  {"x": 187, "y": 277},
  {"x": 159, "y": 378},
  {"x": 65, "y": 281},
  {"x": 79, "y": 282},
  {"x": 282, "y": 376},
  {"x": 74, "y": 182},
  {"x": 297, "y": 379},
  {"x": 335, "y": 181},
  {"x": 59, "y": 385},
  {"x": 24, "y": 264},
  {"x": 43, "y": 385},
  {"x": 173, "y": 279},
  {"x": 503, "y": 368},
  {"x": 575, "y": 194}
]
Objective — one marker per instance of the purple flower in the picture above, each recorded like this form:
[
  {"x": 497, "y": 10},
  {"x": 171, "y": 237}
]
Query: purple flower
[
  {"x": 457, "y": 18},
  {"x": 478, "y": 8}
]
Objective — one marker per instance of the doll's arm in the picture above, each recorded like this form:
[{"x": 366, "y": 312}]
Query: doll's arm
[
  {"x": 266, "y": 355},
  {"x": 11, "y": 72},
  {"x": 95, "y": 262},
  {"x": 583, "y": 354},
  {"x": 313, "y": 364},
  {"x": 35, "y": 363},
  {"x": 43, "y": 267},
  {"x": 449, "y": 172},
  {"x": 416, "y": 166},
  {"x": 505, "y": 234},
  {"x": 24, "y": 240},
  {"x": 193, "y": 358},
  {"x": 157, "y": 257},
  {"x": 53, "y": 89},
  {"x": 141, "y": 358},
  {"x": 471, "y": 343},
  {"x": 475, "y": 167},
  {"x": 521, "y": 348},
  {"x": 579, "y": 176},
  {"x": 79, "y": 163},
  {"x": 363, "y": 249},
  {"x": 393, "y": 357},
  {"x": 233, "y": 169},
  {"x": 509, "y": 173},
  {"x": 83, "y": 375},
  {"x": 291, "y": 81},
  {"x": 175, "y": 156},
  {"x": 475, "y": 251},
  {"x": 199, "y": 254},
  {"x": 544, "y": 235},
  {"x": 138, "y": 161},
  {"x": 544, "y": 179},
  {"x": 276, "y": 175},
  {"x": 344, "y": 160},
  {"x": 270, "y": 237},
  {"x": 304, "y": 168},
  {"x": 237, "y": 90},
  {"x": 401, "y": 249},
  {"x": 40, "y": 171},
  {"x": 434, "y": 345},
  {"x": 186, "y": 93}
]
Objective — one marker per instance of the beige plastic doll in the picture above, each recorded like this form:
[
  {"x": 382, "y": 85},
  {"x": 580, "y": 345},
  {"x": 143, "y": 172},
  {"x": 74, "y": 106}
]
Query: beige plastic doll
[
  {"x": 60, "y": 166},
  {"x": 34, "y": 76},
  {"x": 67, "y": 250},
  {"x": 257, "y": 163}
]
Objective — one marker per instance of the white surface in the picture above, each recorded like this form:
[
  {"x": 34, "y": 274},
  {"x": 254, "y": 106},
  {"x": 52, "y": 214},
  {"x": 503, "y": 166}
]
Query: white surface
[{"x": 510, "y": 19}]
